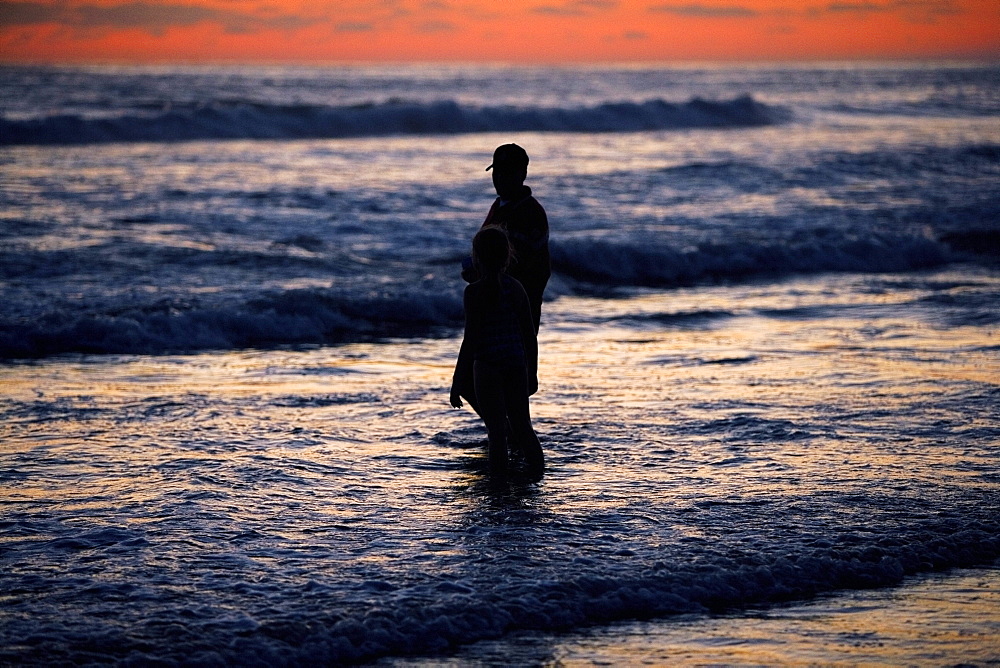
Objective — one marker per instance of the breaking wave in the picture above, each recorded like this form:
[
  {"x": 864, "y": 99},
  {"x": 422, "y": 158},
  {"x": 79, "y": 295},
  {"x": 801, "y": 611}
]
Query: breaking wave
[
  {"x": 434, "y": 615},
  {"x": 248, "y": 120},
  {"x": 329, "y": 315},
  {"x": 460, "y": 614},
  {"x": 649, "y": 264},
  {"x": 294, "y": 317}
]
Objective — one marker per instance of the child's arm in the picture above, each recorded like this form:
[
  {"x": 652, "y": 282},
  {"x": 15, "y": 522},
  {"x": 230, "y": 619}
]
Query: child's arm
[
  {"x": 463, "y": 367},
  {"x": 456, "y": 396}
]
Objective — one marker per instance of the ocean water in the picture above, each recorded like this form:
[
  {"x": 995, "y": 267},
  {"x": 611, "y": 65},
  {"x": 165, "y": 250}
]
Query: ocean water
[{"x": 769, "y": 365}]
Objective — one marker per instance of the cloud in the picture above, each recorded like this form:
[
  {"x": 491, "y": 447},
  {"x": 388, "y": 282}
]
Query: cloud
[
  {"x": 931, "y": 6},
  {"x": 354, "y": 26},
  {"x": 911, "y": 10},
  {"x": 914, "y": 11},
  {"x": 559, "y": 11},
  {"x": 843, "y": 7},
  {"x": 431, "y": 27},
  {"x": 154, "y": 18},
  {"x": 27, "y": 13},
  {"x": 706, "y": 11},
  {"x": 576, "y": 7}
]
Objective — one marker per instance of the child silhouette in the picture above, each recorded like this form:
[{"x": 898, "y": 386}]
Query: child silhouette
[{"x": 501, "y": 347}]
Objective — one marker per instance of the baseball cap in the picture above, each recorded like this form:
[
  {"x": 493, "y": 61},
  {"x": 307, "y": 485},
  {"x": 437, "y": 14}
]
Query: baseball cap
[{"x": 510, "y": 156}]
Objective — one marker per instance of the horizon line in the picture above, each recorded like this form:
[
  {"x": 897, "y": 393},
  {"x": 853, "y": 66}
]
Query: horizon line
[{"x": 985, "y": 59}]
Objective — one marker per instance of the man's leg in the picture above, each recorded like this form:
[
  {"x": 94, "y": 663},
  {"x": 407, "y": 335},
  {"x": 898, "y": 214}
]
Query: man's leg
[{"x": 519, "y": 418}]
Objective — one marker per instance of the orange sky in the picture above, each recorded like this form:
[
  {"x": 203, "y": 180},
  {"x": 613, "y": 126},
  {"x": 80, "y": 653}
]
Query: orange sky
[{"x": 521, "y": 31}]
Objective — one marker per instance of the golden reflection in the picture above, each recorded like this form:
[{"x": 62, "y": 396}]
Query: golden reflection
[
  {"x": 712, "y": 392},
  {"x": 937, "y": 620}
]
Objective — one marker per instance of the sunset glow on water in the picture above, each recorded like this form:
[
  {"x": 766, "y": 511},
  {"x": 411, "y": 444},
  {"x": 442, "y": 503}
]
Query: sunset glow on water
[
  {"x": 768, "y": 367},
  {"x": 253, "y": 489}
]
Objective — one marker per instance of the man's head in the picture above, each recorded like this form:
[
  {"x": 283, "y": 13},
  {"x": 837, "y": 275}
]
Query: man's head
[{"x": 510, "y": 168}]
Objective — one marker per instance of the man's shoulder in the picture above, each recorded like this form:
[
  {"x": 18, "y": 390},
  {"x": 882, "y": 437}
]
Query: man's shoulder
[
  {"x": 530, "y": 209},
  {"x": 533, "y": 202}
]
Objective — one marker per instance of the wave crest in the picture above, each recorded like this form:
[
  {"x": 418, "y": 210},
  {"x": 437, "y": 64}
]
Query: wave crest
[
  {"x": 434, "y": 308},
  {"x": 294, "y": 317},
  {"x": 644, "y": 264},
  {"x": 246, "y": 120}
]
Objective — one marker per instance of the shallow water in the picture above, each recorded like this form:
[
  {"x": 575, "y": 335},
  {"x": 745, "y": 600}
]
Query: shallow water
[
  {"x": 709, "y": 449},
  {"x": 951, "y": 619}
]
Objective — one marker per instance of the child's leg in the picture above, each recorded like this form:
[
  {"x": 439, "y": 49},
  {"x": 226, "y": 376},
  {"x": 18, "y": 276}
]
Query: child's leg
[
  {"x": 489, "y": 382},
  {"x": 519, "y": 418}
]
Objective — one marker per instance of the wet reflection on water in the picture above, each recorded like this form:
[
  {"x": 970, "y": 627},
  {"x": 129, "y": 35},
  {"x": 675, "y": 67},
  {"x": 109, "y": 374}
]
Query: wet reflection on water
[
  {"x": 707, "y": 448},
  {"x": 938, "y": 620}
]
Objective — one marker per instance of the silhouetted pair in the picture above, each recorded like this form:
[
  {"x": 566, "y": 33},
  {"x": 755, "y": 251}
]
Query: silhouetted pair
[{"x": 497, "y": 368}]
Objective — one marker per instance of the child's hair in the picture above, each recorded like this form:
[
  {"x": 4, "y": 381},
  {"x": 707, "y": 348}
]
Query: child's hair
[{"x": 491, "y": 250}]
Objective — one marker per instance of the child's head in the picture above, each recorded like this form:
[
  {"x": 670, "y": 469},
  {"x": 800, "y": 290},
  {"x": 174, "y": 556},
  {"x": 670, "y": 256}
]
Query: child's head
[{"x": 491, "y": 250}]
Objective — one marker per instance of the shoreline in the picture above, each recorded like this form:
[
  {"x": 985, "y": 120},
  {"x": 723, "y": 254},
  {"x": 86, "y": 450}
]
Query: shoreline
[{"x": 947, "y": 618}]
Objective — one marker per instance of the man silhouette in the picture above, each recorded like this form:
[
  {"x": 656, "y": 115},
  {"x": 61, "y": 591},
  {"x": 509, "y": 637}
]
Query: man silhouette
[
  {"x": 523, "y": 219},
  {"x": 519, "y": 214}
]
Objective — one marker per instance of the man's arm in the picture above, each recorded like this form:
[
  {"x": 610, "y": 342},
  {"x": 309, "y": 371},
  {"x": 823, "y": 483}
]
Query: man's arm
[
  {"x": 529, "y": 235},
  {"x": 528, "y": 339}
]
